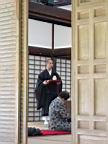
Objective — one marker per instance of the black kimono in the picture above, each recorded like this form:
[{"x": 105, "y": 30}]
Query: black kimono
[{"x": 46, "y": 93}]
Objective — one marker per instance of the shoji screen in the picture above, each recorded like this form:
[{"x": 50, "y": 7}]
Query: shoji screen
[
  {"x": 36, "y": 65},
  {"x": 63, "y": 68}
]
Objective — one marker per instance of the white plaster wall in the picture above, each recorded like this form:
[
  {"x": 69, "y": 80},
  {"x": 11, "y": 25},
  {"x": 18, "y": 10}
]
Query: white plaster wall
[
  {"x": 39, "y": 34},
  {"x": 67, "y": 7},
  {"x": 63, "y": 36}
]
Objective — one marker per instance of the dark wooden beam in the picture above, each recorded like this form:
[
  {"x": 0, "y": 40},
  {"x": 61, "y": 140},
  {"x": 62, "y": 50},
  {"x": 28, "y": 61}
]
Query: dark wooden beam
[
  {"x": 60, "y": 53},
  {"x": 49, "y": 14},
  {"x": 40, "y": 51}
]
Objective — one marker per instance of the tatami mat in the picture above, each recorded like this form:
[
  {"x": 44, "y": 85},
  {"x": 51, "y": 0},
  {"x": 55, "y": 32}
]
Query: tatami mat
[
  {"x": 64, "y": 139},
  {"x": 57, "y": 139}
]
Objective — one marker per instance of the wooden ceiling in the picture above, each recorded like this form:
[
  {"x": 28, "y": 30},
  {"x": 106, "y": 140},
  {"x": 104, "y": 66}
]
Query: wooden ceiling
[
  {"x": 58, "y": 2},
  {"x": 61, "y": 53},
  {"x": 49, "y": 14},
  {"x": 53, "y": 2}
]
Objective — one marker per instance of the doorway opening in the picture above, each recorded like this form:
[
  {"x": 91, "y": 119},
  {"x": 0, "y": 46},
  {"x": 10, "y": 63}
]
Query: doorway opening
[{"x": 49, "y": 37}]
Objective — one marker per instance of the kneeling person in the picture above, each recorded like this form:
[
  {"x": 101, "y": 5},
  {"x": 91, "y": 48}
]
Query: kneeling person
[{"x": 58, "y": 114}]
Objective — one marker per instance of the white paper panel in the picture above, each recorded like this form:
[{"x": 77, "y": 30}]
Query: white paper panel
[{"x": 40, "y": 34}]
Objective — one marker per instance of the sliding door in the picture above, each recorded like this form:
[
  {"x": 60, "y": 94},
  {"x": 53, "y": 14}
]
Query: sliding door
[{"x": 90, "y": 72}]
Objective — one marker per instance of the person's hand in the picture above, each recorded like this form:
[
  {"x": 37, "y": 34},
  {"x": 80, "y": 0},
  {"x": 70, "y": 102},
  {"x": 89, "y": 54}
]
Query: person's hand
[{"x": 46, "y": 82}]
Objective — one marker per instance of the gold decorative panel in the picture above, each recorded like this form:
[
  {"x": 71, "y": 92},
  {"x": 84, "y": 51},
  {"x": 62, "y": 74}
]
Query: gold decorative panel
[
  {"x": 83, "y": 69},
  {"x": 100, "y": 40},
  {"x": 83, "y": 97},
  {"x": 93, "y": 1},
  {"x": 100, "y": 12},
  {"x": 83, "y": 15},
  {"x": 100, "y": 68},
  {"x": 100, "y": 126},
  {"x": 101, "y": 94},
  {"x": 83, "y": 124},
  {"x": 84, "y": 1},
  {"x": 91, "y": 140},
  {"x": 98, "y": 1},
  {"x": 83, "y": 45}
]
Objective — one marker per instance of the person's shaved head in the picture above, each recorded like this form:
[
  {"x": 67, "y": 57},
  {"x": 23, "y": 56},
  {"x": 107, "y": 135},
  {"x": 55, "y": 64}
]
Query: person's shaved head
[{"x": 49, "y": 64}]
